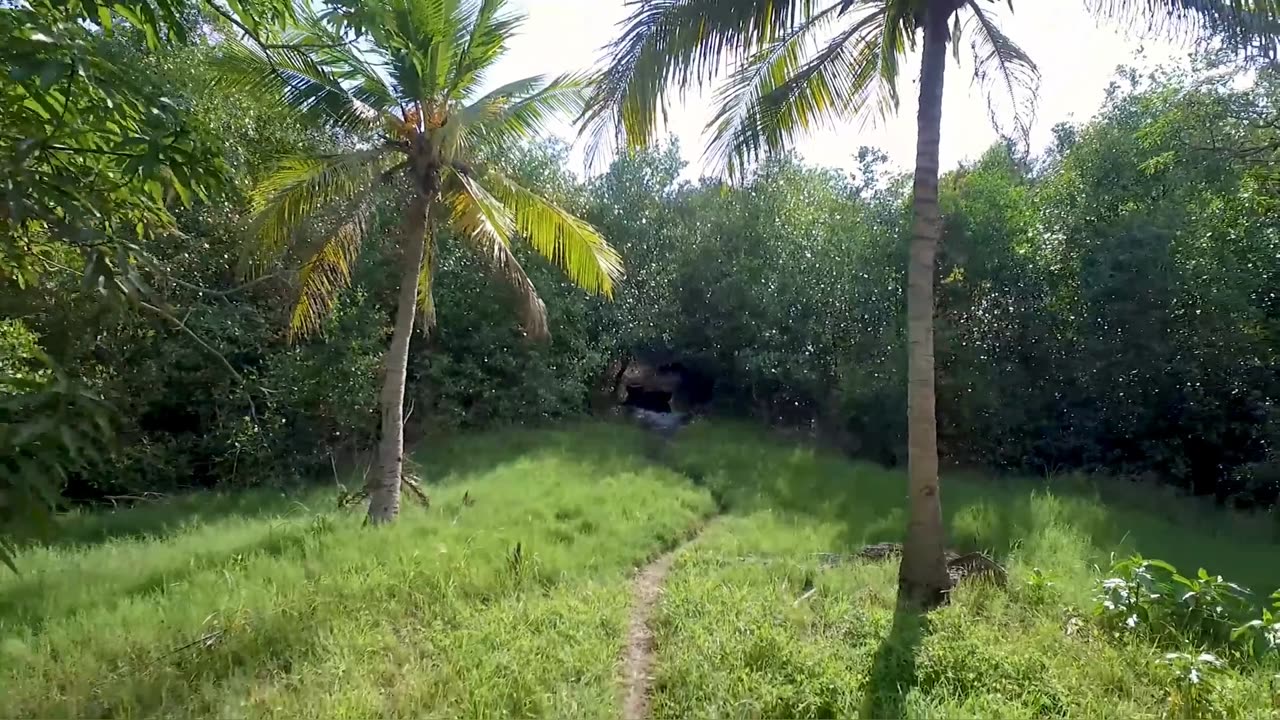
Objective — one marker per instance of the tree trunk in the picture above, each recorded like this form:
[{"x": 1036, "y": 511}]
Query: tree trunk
[
  {"x": 923, "y": 578},
  {"x": 384, "y": 491}
]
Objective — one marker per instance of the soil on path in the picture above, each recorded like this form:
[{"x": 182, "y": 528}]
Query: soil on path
[{"x": 637, "y": 660}]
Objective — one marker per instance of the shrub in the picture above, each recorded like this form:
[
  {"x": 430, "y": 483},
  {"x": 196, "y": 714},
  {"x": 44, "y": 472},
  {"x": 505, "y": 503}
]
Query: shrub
[
  {"x": 1193, "y": 681},
  {"x": 1038, "y": 590},
  {"x": 1261, "y": 635},
  {"x": 1150, "y": 597}
]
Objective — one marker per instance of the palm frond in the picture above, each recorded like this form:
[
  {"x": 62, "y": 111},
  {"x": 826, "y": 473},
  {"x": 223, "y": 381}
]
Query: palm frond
[
  {"x": 487, "y": 224},
  {"x": 556, "y": 234},
  {"x": 778, "y": 95},
  {"x": 486, "y": 44},
  {"x": 328, "y": 271},
  {"x": 1252, "y": 26},
  {"x": 524, "y": 111},
  {"x": 428, "y": 36},
  {"x": 297, "y": 188},
  {"x": 297, "y": 81},
  {"x": 675, "y": 43},
  {"x": 354, "y": 66},
  {"x": 490, "y": 104},
  {"x": 1008, "y": 76},
  {"x": 426, "y": 290},
  {"x": 898, "y": 36}
]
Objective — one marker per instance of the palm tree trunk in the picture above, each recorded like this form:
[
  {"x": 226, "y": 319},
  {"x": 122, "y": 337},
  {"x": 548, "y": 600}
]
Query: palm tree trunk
[
  {"x": 923, "y": 578},
  {"x": 384, "y": 492}
]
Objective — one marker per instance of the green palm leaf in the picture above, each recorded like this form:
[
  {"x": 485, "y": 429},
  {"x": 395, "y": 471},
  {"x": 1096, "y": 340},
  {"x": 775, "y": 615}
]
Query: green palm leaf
[
  {"x": 567, "y": 241},
  {"x": 522, "y": 110},
  {"x": 486, "y": 44},
  {"x": 298, "y": 187},
  {"x": 778, "y": 95},
  {"x": 354, "y": 67},
  {"x": 303, "y": 85},
  {"x": 427, "y": 37},
  {"x": 1008, "y": 77},
  {"x": 328, "y": 271},
  {"x": 1252, "y": 25},
  {"x": 677, "y": 43},
  {"x": 487, "y": 224}
]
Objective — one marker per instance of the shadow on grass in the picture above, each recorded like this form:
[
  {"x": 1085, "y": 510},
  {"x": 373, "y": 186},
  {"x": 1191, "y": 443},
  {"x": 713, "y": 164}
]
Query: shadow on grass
[
  {"x": 455, "y": 458},
  {"x": 35, "y": 601},
  {"x": 170, "y": 515},
  {"x": 893, "y": 668},
  {"x": 451, "y": 459},
  {"x": 258, "y": 649},
  {"x": 748, "y": 471}
]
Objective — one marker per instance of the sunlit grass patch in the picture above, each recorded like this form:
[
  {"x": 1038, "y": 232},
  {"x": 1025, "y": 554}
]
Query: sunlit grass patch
[
  {"x": 512, "y": 605},
  {"x": 758, "y": 621},
  {"x": 515, "y": 603}
]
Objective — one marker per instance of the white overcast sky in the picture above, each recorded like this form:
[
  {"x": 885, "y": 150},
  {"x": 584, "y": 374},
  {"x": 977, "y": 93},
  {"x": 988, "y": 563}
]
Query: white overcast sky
[{"x": 1077, "y": 57}]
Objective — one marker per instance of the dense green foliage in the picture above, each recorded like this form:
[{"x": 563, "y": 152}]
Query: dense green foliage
[
  {"x": 267, "y": 604},
  {"x": 1112, "y": 304},
  {"x": 1109, "y": 305}
]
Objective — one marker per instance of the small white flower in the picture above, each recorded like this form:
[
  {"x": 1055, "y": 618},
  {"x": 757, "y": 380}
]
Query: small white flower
[
  {"x": 1273, "y": 635},
  {"x": 1132, "y": 621},
  {"x": 1193, "y": 676},
  {"x": 1108, "y": 605},
  {"x": 1209, "y": 658}
]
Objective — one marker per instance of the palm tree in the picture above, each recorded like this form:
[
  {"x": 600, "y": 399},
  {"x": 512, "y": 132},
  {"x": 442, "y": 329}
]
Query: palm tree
[
  {"x": 398, "y": 80},
  {"x": 797, "y": 63}
]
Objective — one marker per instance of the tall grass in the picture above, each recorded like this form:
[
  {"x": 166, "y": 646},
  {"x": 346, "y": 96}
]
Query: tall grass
[
  {"x": 514, "y": 603},
  {"x": 747, "y": 470},
  {"x": 740, "y": 635},
  {"x": 298, "y": 611}
]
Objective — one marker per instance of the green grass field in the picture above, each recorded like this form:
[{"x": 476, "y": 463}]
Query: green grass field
[
  {"x": 735, "y": 639},
  {"x": 265, "y": 604}
]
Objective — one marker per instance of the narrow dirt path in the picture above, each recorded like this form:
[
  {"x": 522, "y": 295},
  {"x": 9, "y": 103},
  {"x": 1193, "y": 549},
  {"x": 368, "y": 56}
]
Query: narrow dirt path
[{"x": 637, "y": 659}]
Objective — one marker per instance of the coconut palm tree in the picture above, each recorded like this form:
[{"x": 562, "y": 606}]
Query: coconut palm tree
[
  {"x": 794, "y": 64},
  {"x": 398, "y": 81}
]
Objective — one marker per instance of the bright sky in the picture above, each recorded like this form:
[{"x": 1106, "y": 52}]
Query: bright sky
[{"x": 1076, "y": 54}]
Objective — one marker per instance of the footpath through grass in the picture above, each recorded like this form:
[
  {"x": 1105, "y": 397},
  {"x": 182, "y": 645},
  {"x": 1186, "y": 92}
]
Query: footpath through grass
[
  {"x": 738, "y": 637},
  {"x": 269, "y": 605},
  {"x": 264, "y": 606}
]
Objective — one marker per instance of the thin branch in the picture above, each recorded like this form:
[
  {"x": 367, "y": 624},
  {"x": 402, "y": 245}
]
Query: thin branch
[
  {"x": 229, "y": 17},
  {"x": 194, "y": 336},
  {"x": 220, "y": 293},
  {"x": 92, "y": 151},
  {"x": 253, "y": 411},
  {"x": 206, "y": 640},
  {"x": 66, "y": 105},
  {"x": 413, "y": 486},
  {"x": 144, "y": 497},
  {"x": 182, "y": 325}
]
